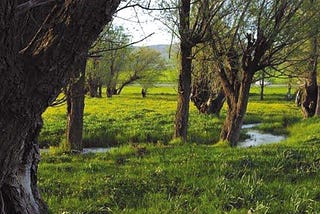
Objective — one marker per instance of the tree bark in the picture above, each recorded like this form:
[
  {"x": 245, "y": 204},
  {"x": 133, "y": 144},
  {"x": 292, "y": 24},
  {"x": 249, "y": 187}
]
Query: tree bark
[
  {"x": 214, "y": 106},
  {"x": 184, "y": 91},
  {"x": 317, "y": 113},
  {"x": 206, "y": 100},
  {"x": 93, "y": 87},
  {"x": 309, "y": 101},
  {"x": 19, "y": 162},
  {"x": 75, "y": 108},
  {"x": 34, "y": 60},
  {"x": 262, "y": 86},
  {"x": 237, "y": 107},
  {"x": 184, "y": 88}
]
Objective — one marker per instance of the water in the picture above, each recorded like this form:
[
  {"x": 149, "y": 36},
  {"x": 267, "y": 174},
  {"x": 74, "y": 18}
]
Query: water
[
  {"x": 258, "y": 138},
  {"x": 86, "y": 150},
  {"x": 95, "y": 150}
]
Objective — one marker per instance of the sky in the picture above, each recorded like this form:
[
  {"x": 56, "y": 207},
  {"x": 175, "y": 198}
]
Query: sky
[{"x": 143, "y": 26}]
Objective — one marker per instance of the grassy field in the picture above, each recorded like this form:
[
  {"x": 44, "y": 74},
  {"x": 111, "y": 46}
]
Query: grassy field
[
  {"x": 148, "y": 174},
  {"x": 131, "y": 118}
]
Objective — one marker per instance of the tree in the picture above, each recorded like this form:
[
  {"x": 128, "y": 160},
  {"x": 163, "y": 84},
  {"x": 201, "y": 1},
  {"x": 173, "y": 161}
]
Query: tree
[
  {"x": 144, "y": 66},
  {"x": 36, "y": 60},
  {"x": 75, "y": 108},
  {"x": 110, "y": 53},
  {"x": 95, "y": 77},
  {"x": 194, "y": 20},
  {"x": 309, "y": 102},
  {"x": 257, "y": 35}
]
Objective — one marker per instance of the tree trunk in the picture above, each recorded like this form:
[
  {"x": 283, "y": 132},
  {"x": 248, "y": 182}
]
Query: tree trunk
[
  {"x": 184, "y": 91},
  {"x": 19, "y": 163},
  {"x": 100, "y": 90},
  {"x": 184, "y": 88},
  {"x": 207, "y": 101},
  {"x": 262, "y": 86},
  {"x": 214, "y": 106},
  {"x": 111, "y": 91},
  {"x": 237, "y": 107},
  {"x": 317, "y": 113},
  {"x": 93, "y": 87},
  {"x": 75, "y": 108},
  {"x": 309, "y": 101},
  {"x": 32, "y": 75}
]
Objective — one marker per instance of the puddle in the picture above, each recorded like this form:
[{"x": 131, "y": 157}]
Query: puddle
[
  {"x": 258, "y": 138},
  {"x": 86, "y": 150},
  {"x": 95, "y": 150}
]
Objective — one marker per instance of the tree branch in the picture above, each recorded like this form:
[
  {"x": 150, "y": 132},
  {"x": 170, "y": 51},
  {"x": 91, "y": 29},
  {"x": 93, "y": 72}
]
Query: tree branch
[{"x": 93, "y": 54}]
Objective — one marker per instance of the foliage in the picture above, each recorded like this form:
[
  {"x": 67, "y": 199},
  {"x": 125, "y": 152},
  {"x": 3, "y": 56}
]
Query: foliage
[{"x": 108, "y": 57}]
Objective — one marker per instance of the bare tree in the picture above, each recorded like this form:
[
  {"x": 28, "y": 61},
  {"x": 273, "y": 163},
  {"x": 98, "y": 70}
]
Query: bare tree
[{"x": 40, "y": 43}]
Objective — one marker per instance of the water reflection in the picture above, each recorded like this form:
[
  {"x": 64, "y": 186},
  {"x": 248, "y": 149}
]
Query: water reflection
[{"x": 258, "y": 138}]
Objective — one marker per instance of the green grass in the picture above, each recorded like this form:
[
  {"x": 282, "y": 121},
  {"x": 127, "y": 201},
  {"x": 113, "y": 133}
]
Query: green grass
[
  {"x": 131, "y": 118},
  {"x": 184, "y": 179},
  {"x": 162, "y": 177}
]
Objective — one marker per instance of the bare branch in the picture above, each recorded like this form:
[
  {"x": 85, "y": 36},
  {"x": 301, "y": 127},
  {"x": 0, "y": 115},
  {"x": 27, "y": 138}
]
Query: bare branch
[
  {"x": 147, "y": 7},
  {"x": 94, "y": 53}
]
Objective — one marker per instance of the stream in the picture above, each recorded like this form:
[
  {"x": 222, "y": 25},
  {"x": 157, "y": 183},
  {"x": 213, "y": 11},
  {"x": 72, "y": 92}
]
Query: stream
[{"x": 258, "y": 138}]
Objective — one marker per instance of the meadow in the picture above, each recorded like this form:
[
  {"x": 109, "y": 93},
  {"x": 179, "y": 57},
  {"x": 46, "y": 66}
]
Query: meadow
[{"x": 145, "y": 172}]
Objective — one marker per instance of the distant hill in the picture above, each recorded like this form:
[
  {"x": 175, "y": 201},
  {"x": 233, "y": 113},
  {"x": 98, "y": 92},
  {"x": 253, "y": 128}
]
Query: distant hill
[{"x": 163, "y": 49}]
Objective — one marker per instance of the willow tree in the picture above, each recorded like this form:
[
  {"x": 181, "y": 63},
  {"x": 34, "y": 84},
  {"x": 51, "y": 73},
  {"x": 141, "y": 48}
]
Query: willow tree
[
  {"x": 40, "y": 42},
  {"x": 256, "y": 35},
  {"x": 310, "y": 103},
  {"x": 194, "y": 20}
]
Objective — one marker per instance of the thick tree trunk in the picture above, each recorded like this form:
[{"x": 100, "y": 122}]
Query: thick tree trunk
[
  {"x": 309, "y": 101},
  {"x": 237, "y": 107},
  {"x": 214, "y": 106},
  {"x": 75, "y": 108},
  {"x": 184, "y": 91},
  {"x": 207, "y": 101},
  {"x": 111, "y": 91},
  {"x": 93, "y": 87},
  {"x": 19, "y": 162},
  {"x": 32, "y": 74},
  {"x": 184, "y": 88}
]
